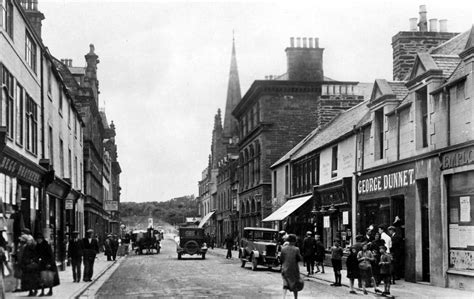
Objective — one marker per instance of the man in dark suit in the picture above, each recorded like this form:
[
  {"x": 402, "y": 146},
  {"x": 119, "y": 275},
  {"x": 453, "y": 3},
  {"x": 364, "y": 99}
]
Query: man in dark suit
[
  {"x": 91, "y": 248},
  {"x": 74, "y": 254},
  {"x": 398, "y": 248}
]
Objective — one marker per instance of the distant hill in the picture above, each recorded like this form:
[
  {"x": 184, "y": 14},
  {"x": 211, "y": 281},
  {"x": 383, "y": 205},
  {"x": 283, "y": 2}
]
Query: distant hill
[{"x": 165, "y": 213}]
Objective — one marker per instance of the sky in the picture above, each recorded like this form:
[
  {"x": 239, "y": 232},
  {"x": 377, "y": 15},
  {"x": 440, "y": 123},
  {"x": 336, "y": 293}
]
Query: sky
[{"x": 164, "y": 66}]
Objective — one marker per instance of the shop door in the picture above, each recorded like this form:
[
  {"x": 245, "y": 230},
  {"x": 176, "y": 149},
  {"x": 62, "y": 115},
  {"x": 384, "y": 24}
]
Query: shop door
[{"x": 425, "y": 228}]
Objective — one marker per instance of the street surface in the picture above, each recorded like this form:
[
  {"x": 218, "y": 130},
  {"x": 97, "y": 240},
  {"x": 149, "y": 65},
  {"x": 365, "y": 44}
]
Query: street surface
[{"x": 163, "y": 275}]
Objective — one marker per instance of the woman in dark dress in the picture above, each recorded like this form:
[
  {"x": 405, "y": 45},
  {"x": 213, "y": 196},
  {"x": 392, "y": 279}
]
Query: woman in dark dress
[
  {"x": 352, "y": 264},
  {"x": 47, "y": 265},
  {"x": 29, "y": 267}
]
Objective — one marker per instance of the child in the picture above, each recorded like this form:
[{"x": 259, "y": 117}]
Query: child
[
  {"x": 352, "y": 264},
  {"x": 365, "y": 259},
  {"x": 336, "y": 259},
  {"x": 385, "y": 266}
]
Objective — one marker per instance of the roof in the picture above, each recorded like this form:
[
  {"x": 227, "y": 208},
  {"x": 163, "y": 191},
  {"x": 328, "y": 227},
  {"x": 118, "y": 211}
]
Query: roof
[
  {"x": 453, "y": 46},
  {"x": 446, "y": 63},
  {"x": 399, "y": 89},
  {"x": 75, "y": 70},
  {"x": 288, "y": 155},
  {"x": 285, "y": 77},
  {"x": 341, "y": 125}
]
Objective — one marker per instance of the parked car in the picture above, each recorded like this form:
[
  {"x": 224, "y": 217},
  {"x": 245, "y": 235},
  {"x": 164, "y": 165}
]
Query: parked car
[
  {"x": 259, "y": 246},
  {"x": 191, "y": 241}
]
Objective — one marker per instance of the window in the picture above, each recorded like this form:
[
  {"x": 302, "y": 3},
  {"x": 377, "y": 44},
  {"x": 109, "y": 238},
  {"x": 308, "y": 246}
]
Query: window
[
  {"x": 334, "y": 162},
  {"x": 422, "y": 118},
  {"x": 60, "y": 104},
  {"x": 19, "y": 114},
  {"x": 50, "y": 81},
  {"x": 69, "y": 164},
  {"x": 31, "y": 116},
  {"x": 30, "y": 51},
  {"x": 75, "y": 127},
  {"x": 7, "y": 107},
  {"x": 61, "y": 158},
  {"x": 69, "y": 116},
  {"x": 50, "y": 139},
  {"x": 379, "y": 133},
  {"x": 6, "y": 21},
  {"x": 286, "y": 179},
  {"x": 274, "y": 183},
  {"x": 80, "y": 176}
]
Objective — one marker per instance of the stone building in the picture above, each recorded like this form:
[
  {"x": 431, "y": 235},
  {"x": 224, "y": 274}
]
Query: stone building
[{"x": 276, "y": 114}]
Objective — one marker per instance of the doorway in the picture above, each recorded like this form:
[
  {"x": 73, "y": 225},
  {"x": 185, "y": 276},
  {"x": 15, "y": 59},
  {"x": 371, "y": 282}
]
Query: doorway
[{"x": 425, "y": 228}]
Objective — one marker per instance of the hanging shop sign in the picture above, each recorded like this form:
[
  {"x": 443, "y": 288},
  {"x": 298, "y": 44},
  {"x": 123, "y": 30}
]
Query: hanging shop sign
[
  {"x": 386, "y": 180},
  {"x": 69, "y": 203},
  {"x": 457, "y": 158},
  {"x": 111, "y": 205}
]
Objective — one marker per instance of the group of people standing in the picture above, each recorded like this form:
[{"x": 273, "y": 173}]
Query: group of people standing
[
  {"x": 111, "y": 246},
  {"x": 313, "y": 253}
]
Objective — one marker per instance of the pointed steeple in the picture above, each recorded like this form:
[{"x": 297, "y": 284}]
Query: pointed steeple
[{"x": 233, "y": 96}]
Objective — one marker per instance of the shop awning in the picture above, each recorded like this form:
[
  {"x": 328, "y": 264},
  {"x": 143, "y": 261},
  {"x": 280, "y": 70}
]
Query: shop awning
[
  {"x": 289, "y": 207},
  {"x": 206, "y": 218}
]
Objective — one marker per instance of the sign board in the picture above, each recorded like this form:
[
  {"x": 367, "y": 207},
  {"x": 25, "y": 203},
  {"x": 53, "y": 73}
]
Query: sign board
[
  {"x": 150, "y": 222},
  {"x": 111, "y": 205},
  {"x": 69, "y": 204},
  {"x": 386, "y": 181},
  {"x": 457, "y": 158},
  {"x": 326, "y": 222}
]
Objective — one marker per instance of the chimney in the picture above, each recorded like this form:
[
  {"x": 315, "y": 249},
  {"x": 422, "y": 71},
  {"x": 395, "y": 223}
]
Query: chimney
[
  {"x": 433, "y": 25},
  {"x": 413, "y": 24},
  {"x": 292, "y": 42},
  {"x": 34, "y": 16},
  {"x": 423, "y": 24},
  {"x": 443, "y": 25},
  {"x": 407, "y": 44},
  {"x": 305, "y": 63}
]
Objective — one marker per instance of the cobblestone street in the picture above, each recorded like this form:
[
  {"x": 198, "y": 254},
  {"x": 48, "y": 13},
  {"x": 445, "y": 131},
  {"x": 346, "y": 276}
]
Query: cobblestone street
[{"x": 163, "y": 275}]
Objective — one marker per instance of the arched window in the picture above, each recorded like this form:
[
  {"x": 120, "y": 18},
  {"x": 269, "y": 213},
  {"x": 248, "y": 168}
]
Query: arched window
[
  {"x": 257, "y": 163},
  {"x": 251, "y": 166},
  {"x": 246, "y": 169}
]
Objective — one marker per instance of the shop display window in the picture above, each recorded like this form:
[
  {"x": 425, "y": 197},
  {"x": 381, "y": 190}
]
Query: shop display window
[{"x": 460, "y": 189}]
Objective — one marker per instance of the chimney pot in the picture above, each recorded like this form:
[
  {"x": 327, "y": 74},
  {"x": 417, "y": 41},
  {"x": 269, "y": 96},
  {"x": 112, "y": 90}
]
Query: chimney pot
[
  {"x": 316, "y": 42},
  {"x": 443, "y": 25},
  {"x": 310, "y": 42},
  {"x": 298, "y": 42},
  {"x": 434, "y": 25},
  {"x": 304, "y": 43},
  {"x": 413, "y": 22},
  {"x": 423, "y": 24},
  {"x": 292, "y": 42}
]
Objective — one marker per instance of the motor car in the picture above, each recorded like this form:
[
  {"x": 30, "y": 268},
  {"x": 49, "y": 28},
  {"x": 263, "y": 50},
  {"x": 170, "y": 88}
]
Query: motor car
[
  {"x": 259, "y": 246},
  {"x": 191, "y": 241}
]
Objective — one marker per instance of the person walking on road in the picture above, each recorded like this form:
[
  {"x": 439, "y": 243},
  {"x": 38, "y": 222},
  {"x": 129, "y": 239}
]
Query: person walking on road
[
  {"x": 320, "y": 254},
  {"x": 108, "y": 247},
  {"x": 91, "y": 248},
  {"x": 352, "y": 268},
  {"x": 74, "y": 254},
  {"x": 115, "y": 245},
  {"x": 47, "y": 265},
  {"x": 309, "y": 252},
  {"x": 30, "y": 267},
  {"x": 229, "y": 243},
  {"x": 336, "y": 260},
  {"x": 290, "y": 271}
]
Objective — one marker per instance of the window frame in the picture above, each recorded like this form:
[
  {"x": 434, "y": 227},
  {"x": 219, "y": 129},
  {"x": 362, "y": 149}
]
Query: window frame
[{"x": 30, "y": 51}]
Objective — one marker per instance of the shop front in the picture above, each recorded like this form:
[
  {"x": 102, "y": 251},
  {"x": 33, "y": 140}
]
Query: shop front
[
  {"x": 457, "y": 181},
  {"x": 382, "y": 196},
  {"x": 333, "y": 210}
]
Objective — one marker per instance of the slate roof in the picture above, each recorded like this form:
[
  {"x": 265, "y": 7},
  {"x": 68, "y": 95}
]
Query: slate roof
[
  {"x": 285, "y": 77},
  {"x": 446, "y": 63},
  {"x": 453, "y": 46},
  {"x": 77, "y": 70},
  {"x": 398, "y": 89},
  {"x": 342, "y": 124}
]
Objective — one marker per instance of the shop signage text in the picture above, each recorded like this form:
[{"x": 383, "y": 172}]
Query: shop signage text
[
  {"x": 458, "y": 158},
  {"x": 14, "y": 168},
  {"x": 111, "y": 205},
  {"x": 69, "y": 204},
  {"x": 384, "y": 182}
]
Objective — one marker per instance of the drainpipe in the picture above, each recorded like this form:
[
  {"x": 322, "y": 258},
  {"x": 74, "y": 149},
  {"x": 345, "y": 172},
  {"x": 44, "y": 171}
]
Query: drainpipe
[
  {"x": 448, "y": 121},
  {"x": 398, "y": 134},
  {"x": 44, "y": 212}
]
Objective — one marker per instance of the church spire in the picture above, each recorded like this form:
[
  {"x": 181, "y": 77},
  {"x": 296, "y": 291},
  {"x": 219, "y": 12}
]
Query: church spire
[{"x": 233, "y": 95}]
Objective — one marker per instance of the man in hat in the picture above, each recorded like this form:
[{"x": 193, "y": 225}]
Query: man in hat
[
  {"x": 108, "y": 247},
  {"x": 74, "y": 254},
  {"x": 91, "y": 248},
  {"x": 309, "y": 252}
]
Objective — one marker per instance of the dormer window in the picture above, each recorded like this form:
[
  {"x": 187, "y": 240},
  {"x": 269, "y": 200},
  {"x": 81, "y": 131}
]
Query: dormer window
[{"x": 422, "y": 118}]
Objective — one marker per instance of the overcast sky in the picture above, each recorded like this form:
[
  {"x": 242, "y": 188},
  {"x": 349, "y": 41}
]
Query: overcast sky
[{"x": 164, "y": 66}]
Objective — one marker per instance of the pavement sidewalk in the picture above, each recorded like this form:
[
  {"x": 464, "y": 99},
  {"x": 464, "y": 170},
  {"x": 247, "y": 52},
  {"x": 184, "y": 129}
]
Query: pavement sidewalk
[
  {"x": 401, "y": 289},
  {"x": 69, "y": 289}
]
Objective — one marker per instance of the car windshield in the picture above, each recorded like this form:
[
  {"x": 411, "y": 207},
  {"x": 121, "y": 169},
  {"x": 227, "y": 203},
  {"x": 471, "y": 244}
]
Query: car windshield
[
  {"x": 191, "y": 233},
  {"x": 264, "y": 236}
]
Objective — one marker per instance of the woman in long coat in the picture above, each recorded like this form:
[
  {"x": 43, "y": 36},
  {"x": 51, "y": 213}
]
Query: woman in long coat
[
  {"x": 290, "y": 271},
  {"x": 46, "y": 263},
  {"x": 29, "y": 267}
]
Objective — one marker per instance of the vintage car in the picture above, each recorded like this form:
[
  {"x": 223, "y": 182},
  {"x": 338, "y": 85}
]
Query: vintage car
[
  {"x": 260, "y": 247},
  {"x": 191, "y": 241}
]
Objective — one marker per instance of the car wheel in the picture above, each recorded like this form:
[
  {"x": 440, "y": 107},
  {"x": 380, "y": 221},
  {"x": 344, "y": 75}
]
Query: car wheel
[
  {"x": 179, "y": 256},
  {"x": 254, "y": 263}
]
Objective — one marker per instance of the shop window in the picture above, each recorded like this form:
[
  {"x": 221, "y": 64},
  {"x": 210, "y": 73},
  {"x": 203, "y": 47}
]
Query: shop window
[
  {"x": 379, "y": 134},
  {"x": 334, "y": 162},
  {"x": 461, "y": 220}
]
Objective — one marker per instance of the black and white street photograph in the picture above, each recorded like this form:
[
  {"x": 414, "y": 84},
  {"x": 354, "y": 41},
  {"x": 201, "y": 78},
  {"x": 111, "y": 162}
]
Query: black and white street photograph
[{"x": 236, "y": 149}]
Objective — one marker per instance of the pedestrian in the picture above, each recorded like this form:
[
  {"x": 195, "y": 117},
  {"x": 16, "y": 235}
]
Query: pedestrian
[
  {"x": 374, "y": 246},
  {"x": 369, "y": 234},
  {"x": 91, "y": 248},
  {"x": 3, "y": 262},
  {"x": 320, "y": 254},
  {"x": 108, "y": 247},
  {"x": 213, "y": 240},
  {"x": 398, "y": 248},
  {"x": 17, "y": 257},
  {"x": 47, "y": 265},
  {"x": 336, "y": 260},
  {"x": 365, "y": 258},
  {"x": 290, "y": 271},
  {"x": 30, "y": 267},
  {"x": 385, "y": 269},
  {"x": 18, "y": 225},
  {"x": 75, "y": 251},
  {"x": 309, "y": 252},
  {"x": 229, "y": 243},
  {"x": 385, "y": 237},
  {"x": 115, "y": 245},
  {"x": 352, "y": 268}
]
